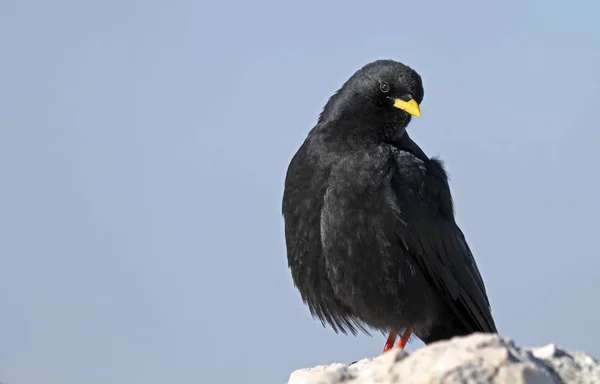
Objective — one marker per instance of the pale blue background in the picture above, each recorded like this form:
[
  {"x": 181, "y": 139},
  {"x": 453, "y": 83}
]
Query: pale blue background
[{"x": 143, "y": 146}]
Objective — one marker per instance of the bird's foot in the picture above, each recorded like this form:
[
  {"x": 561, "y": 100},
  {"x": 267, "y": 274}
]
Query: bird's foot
[
  {"x": 405, "y": 337},
  {"x": 389, "y": 344}
]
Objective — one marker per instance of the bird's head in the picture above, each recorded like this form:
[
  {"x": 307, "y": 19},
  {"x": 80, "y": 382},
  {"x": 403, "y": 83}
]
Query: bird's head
[{"x": 384, "y": 92}]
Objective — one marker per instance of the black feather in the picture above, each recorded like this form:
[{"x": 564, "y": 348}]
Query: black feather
[{"x": 369, "y": 220}]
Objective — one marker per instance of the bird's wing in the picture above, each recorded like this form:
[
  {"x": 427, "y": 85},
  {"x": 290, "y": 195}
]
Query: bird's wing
[{"x": 439, "y": 247}]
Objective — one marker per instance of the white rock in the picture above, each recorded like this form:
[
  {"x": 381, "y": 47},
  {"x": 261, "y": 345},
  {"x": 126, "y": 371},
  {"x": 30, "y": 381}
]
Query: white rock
[{"x": 478, "y": 358}]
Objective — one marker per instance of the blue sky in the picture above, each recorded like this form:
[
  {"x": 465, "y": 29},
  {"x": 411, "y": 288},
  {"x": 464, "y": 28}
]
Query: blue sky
[{"x": 143, "y": 147}]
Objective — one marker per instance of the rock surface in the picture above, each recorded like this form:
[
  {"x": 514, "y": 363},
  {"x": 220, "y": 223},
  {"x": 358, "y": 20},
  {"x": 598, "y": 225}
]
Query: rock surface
[{"x": 478, "y": 358}]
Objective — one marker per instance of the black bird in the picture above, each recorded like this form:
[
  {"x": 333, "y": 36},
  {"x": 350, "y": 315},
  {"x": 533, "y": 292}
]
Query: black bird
[{"x": 369, "y": 219}]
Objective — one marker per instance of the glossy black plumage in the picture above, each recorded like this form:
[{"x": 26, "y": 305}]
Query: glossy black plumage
[{"x": 369, "y": 219}]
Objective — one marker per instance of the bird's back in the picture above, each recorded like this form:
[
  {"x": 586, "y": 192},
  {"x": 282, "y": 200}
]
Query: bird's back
[{"x": 438, "y": 244}]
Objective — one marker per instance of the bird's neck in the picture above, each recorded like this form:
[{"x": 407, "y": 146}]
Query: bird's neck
[{"x": 405, "y": 143}]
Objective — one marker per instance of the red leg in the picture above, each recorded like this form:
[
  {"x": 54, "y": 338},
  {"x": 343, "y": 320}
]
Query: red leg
[
  {"x": 404, "y": 338},
  {"x": 389, "y": 344}
]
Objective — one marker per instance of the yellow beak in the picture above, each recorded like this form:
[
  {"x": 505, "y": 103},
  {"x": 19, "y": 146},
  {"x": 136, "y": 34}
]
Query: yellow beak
[{"x": 409, "y": 106}]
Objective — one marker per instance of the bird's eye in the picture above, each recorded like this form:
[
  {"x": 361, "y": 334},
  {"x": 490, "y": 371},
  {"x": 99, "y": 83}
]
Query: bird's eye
[{"x": 384, "y": 87}]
